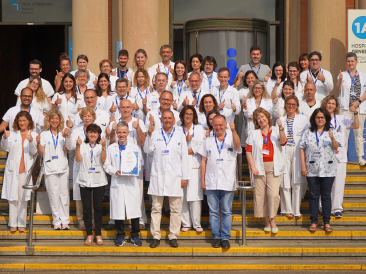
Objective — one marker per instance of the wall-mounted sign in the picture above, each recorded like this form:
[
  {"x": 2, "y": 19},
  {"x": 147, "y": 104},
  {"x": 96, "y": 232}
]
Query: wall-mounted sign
[
  {"x": 357, "y": 36},
  {"x": 33, "y": 11}
]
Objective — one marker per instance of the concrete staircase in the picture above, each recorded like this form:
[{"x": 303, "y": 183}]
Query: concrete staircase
[{"x": 294, "y": 247}]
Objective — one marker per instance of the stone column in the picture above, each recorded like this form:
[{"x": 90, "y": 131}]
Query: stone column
[
  {"x": 327, "y": 33},
  {"x": 293, "y": 30},
  {"x": 90, "y": 31},
  {"x": 360, "y": 4}
]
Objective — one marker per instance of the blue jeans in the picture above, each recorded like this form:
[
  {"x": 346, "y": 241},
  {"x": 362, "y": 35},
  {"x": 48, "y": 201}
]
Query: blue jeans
[
  {"x": 214, "y": 199},
  {"x": 320, "y": 186}
]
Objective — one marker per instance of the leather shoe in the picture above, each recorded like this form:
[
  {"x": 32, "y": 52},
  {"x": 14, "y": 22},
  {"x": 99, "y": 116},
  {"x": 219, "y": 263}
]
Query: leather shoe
[
  {"x": 155, "y": 243},
  {"x": 225, "y": 244},
  {"x": 173, "y": 243},
  {"x": 216, "y": 243}
]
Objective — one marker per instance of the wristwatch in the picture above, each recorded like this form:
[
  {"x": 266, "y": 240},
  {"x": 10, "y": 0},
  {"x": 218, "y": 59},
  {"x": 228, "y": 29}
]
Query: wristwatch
[
  {"x": 356, "y": 113},
  {"x": 359, "y": 101}
]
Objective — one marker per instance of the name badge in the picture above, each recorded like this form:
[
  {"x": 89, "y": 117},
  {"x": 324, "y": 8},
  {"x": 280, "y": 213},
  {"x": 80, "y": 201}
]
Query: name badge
[
  {"x": 265, "y": 151},
  {"x": 353, "y": 93},
  {"x": 165, "y": 152},
  {"x": 316, "y": 154},
  {"x": 290, "y": 142},
  {"x": 92, "y": 168},
  {"x": 54, "y": 157},
  {"x": 154, "y": 102},
  {"x": 219, "y": 161}
]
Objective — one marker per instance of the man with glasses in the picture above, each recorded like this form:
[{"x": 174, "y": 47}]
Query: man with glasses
[
  {"x": 193, "y": 95},
  {"x": 26, "y": 97},
  {"x": 209, "y": 74},
  {"x": 166, "y": 66},
  {"x": 35, "y": 69},
  {"x": 321, "y": 78},
  {"x": 309, "y": 104}
]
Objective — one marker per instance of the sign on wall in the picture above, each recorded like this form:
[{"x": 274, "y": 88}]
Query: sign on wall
[
  {"x": 33, "y": 11},
  {"x": 357, "y": 36}
]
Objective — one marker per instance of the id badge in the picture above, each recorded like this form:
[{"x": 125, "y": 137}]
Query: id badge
[
  {"x": 290, "y": 143},
  {"x": 219, "y": 161},
  {"x": 316, "y": 154},
  {"x": 353, "y": 93},
  {"x": 92, "y": 168},
  {"x": 265, "y": 151},
  {"x": 166, "y": 152},
  {"x": 154, "y": 102},
  {"x": 54, "y": 157}
]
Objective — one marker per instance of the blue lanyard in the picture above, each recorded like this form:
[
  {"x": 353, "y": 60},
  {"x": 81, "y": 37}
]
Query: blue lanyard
[
  {"x": 209, "y": 79},
  {"x": 142, "y": 98},
  {"x": 84, "y": 133},
  {"x": 179, "y": 88},
  {"x": 120, "y": 99},
  {"x": 335, "y": 122},
  {"x": 222, "y": 144},
  {"x": 313, "y": 77},
  {"x": 199, "y": 94},
  {"x": 77, "y": 87},
  {"x": 316, "y": 136},
  {"x": 352, "y": 79},
  {"x": 121, "y": 147},
  {"x": 28, "y": 110},
  {"x": 259, "y": 67},
  {"x": 170, "y": 137},
  {"x": 220, "y": 97},
  {"x": 266, "y": 140},
  {"x": 121, "y": 73},
  {"x": 53, "y": 139},
  {"x": 290, "y": 130},
  {"x": 91, "y": 153},
  {"x": 167, "y": 71},
  {"x": 188, "y": 131}
]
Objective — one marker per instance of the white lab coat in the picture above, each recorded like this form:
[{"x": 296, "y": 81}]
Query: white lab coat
[
  {"x": 92, "y": 77},
  {"x": 116, "y": 100},
  {"x": 206, "y": 83},
  {"x": 255, "y": 139},
  {"x": 230, "y": 94},
  {"x": 102, "y": 100},
  {"x": 166, "y": 70},
  {"x": 322, "y": 90},
  {"x": 102, "y": 119},
  {"x": 14, "y": 144},
  {"x": 189, "y": 95},
  {"x": 130, "y": 75},
  {"x": 125, "y": 198},
  {"x": 167, "y": 171},
  {"x": 139, "y": 95},
  {"x": 306, "y": 110},
  {"x": 251, "y": 107},
  {"x": 178, "y": 88},
  {"x": 343, "y": 98},
  {"x": 69, "y": 107},
  {"x": 42, "y": 107},
  {"x": 270, "y": 84}
]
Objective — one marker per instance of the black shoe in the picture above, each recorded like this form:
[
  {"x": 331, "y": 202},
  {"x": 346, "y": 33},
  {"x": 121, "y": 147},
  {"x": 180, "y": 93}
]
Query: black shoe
[
  {"x": 173, "y": 243},
  {"x": 225, "y": 244},
  {"x": 155, "y": 243},
  {"x": 217, "y": 243}
]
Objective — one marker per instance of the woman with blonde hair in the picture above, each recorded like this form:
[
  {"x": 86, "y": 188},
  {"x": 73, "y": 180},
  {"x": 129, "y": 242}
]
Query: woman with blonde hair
[
  {"x": 140, "y": 60},
  {"x": 51, "y": 145},
  {"x": 139, "y": 92}
]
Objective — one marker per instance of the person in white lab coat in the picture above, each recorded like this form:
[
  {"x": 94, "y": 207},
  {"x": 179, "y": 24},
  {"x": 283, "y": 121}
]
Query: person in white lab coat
[
  {"x": 267, "y": 161},
  {"x": 140, "y": 60},
  {"x": 83, "y": 81},
  {"x": 125, "y": 199},
  {"x": 293, "y": 74},
  {"x": 51, "y": 145},
  {"x": 22, "y": 146},
  {"x": 207, "y": 103},
  {"x": 104, "y": 90},
  {"x": 218, "y": 177},
  {"x": 322, "y": 79},
  {"x": 195, "y": 64},
  {"x": 294, "y": 125},
  {"x": 170, "y": 173},
  {"x": 275, "y": 77},
  {"x": 82, "y": 62},
  {"x": 309, "y": 104},
  {"x": 226, "y": 96},
  {"x": 287, "y": 89},
  {"x": 351, "y": 85},
  {"x": 209, "y": 75},
  {"x": 180, "y": 81},
  {"x": 341, "y": 124},
  {"x": 192, "y": 193},
  {"x": 194, "y": 94},
  {"x": 257, "y": 97},
  {"x": 166, "y": 66},
  {"x": 106, "y": 67},
  {"x": 140, "y": 91},
  {"x": 91, "y": 154}
]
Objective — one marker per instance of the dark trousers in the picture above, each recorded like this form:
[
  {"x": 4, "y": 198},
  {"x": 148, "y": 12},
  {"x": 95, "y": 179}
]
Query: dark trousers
[
  {"x": 320, "y": 187},
  {"x": 135, "y": 228},
  {"x": 86, "y": 194}
]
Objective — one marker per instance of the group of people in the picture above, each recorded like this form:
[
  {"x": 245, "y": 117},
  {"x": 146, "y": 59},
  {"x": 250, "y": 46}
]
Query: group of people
[{"x": 172, "y": 125}]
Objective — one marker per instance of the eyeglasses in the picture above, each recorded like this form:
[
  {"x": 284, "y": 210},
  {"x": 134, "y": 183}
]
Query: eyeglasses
[
  {"x": 167, "y": 100},
  {"x": 314, "y": 60},
  {"x": 320, "y": 118},
  {"x": 108, "y": 66},
  {"x": 208, "y": 65},
  {"x": 34, "y": 83}
]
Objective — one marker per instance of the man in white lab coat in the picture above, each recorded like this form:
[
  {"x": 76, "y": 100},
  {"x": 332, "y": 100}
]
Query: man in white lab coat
[
  {"x": 170, "y": 172},
  {"x": 218, "y": 177},
  {"x": 309, "y": 104},
  {"x": 166, "y": 66}
]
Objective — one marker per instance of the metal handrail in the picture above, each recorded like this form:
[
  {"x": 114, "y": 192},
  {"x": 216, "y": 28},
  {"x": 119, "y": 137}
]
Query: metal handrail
[
  {"x": 246, "y": 185},
  {"x": 29, "y": 250}
]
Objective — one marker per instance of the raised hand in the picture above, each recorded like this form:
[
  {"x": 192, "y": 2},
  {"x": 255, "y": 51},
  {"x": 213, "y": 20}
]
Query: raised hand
[
  {"x": 107, "y": 132},
  {"x": 275, "y": 100},
  {"x": 175, "y": 105},
  {"x": 66, "y": 133},
  {"x": 188, "y": 137},
  {"x": 321, "y": 76},
  {"x": 38, "y": 138},
  {"x": 95, "y": 82},
  {"x": 173, "y": 84},
  {"x": 59, "y": 74},
  {"x": 103, "y": 142},
  {"x": 222, "y": 104},
  {"x": 6, "y": 134},
  {"x": 340, "y": 75},
  {"x": 278, "y": 81},
  {"x": 135, "y": 105},
  {"x": 207, "y": 132},
  {"x": 153, "y": 80},
  {"x": 112, "y": 118},
  {"x": 152, "y": 125},
  {"x": 279, "y": 122},
  {"x": 309, "y": 78},
  {"x": 201, "y": 76},
  {"x": 113, "y": 108},
  {"x": 79, "y": 141},
  {"x": 152, "y": 120},
  {"x": 185, "y": 101},
  {"x": 158, "y": 69},
  {"x": 114, "y": 127},
  {"x": 187, "y": 83},
  {"x": 69, "y": 123},
  {"x": 233, "y": 107},
  {"x": 244, "y": 100},
  {"x": 241, "y": 74},
  {"x": 237, "y": 83},
  {"x": 144, "y": 101},
  {"x": 29, "y": 136},
  {"x": 171, "y": 70},
  {"x": 194, "y": 102},
  {"x": 232, "y": 125},
  {"x": 58, "y": 100},
  {"x": 268, "y": 76},
  {"x": 114, "y": 72},
  {"x": 331, "y": 136},
  {"x": 136, "y": 124}
]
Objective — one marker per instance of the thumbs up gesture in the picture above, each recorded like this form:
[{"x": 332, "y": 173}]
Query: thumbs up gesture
[
  {"x": 188, "y": 137},
  {"x": 79, "y": 141},
  {"x": 268, "y": 76},
  {"x": 144, "y": 101},
  {"x": 135, "y": 106},
  {"x": 6, "y": 134},
  {"x": 173, "y": 84},
  {"x": 232, "y": 125},
  {"x": 207, "y": 132},
  {"x": 58, "y": 100},
  {"x": 175, "y": 105},
  {"x": 66, "y": 133},
  {"x": 158, "y": 68},
  {"x": 136, "y": 124},
  {"x": 95, "y": 82},
  {"x": 237, "y": 83},
  {"x": 69, "y": 123},
  {"x": 103, "y": 142},
  {"x": 233, "y": 107},
  {"x": 59, "y": 75},
  {"x": 171, "y": 70},
  {"x": 151, "y": 119},
  {"x": 194, "y": 102},
  {"x": 114, "y": 127},
  {"x": 321, "y": 76},
  {"x": 331, "y": 136},
  {"x": 279, "y": 122},
  {"x": 222, "y": 104},
  {"x": 309, "y": 78},
  {"x": 187, "y": 83},
  {"x": 278, "y": 81},
  {"x": 112, "y": 118},
  {"x": 241, "y": 74},
  {"x": 114, "y": 72},
  {"x": 113, "y": 108},
  {"x": 38, "y": 138},
  {"x": 185, "y": 101},
  {"x": 29, "y": 136},
  {"x": 340, "y": 75}
]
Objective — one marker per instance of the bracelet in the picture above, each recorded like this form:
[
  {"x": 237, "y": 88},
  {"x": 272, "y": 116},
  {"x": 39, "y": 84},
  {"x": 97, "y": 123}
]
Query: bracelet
[
  {"x": 281, "y": 129},
  {"x": 104, "y": 149},
  {"x": 355, "y": 113},
  {"x": 359, "y": 100},
  {"x": 77, "y": 145}
]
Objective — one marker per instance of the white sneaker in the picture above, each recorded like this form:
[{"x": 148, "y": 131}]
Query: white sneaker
[{"x": 361, "y": 162}]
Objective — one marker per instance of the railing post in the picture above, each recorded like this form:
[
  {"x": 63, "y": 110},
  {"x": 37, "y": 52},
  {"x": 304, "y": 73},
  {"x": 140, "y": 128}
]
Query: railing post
[{"x": 243, "y": 189}]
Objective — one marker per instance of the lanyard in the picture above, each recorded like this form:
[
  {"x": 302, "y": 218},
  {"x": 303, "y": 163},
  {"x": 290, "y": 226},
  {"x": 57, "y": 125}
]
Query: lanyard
[
  {"x": 199, "y": 94},
  {"x": 169, "y": 138},
  {"x": 335, "y": 122},
  {"x": 290, "y": 130},
  {"x": 313, "y": 76},
  {"x": 53, "y": 139},
  {"x": 352, "y": 79},
  {"x": 220, "y": 97},
  {"x": 266, "y": 140},
  {"x": 28, "y": 110},
  {"x": 120, "y": 99},
  {"x": 222, "y": 144},
  {"x": 188, "y": 131},
  {"x": 121, "y": 147},
  {"x": 179, "y": 88},
  {"x": 317, "y": 139},
  {"x": 84, "y": 133},
  {"x": 259, "y": 67},
  {"x": 142, "y": 98},
  {"x": 77, "y": 87},
  {"x": 167, "y": 69},
  {"x": 91, "y": 153},
  {"x": 121, "y": 73},
  {"x": 209, "y": 79}
]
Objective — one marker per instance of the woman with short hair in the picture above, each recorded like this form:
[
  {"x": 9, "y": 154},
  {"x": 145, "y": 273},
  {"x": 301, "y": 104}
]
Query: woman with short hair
[{"x": 82, "y": 62}]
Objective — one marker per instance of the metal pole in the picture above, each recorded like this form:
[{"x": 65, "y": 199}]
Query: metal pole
[
  {"x": 243, "y": 218},
  {"x": 29, "y": 250}
]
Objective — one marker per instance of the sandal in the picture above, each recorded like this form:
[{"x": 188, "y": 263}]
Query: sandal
[
  {"x": 290, "y": 215},
  {"x": 313, "y": 227},
  {"x": 89, "y": 241},
  {"x": 21, "y": 229},
  {"x": 82, "y": 227},
  {"x": 99, "y": 241},
  {"x": 298, "y": 217},
  {"x": 13, "y": 229},
  {"x": 328, "y": 229}
]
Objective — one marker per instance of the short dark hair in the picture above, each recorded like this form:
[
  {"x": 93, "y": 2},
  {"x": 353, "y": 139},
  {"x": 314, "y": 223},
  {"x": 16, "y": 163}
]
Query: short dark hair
[
  {"x": 122, "y": 80},
  {"x": 351, "y": 54},
  {"x": 246, "y": 75},
  {"x": 21, "y": 92},
  {"x": 25, "y": 114},
  {"x": 161, "y": 73},
  {"x": 224, "y": 69},
  {"x": 93, "y": 128},
  {"x": 199, "y": 57},
  {"x": 36, "y": 62},
  {"x": 255, "y": 48},
  {"x": 123, "y": 52},
  {"x": 315, "y": 53},
  {"x": 313, "y": 126},
  {"x": 214, "y": 111},
  {"x": 279, "y": 64},
  {"x": 209, "y": 59},
  {"x": 183, "y": 111}
]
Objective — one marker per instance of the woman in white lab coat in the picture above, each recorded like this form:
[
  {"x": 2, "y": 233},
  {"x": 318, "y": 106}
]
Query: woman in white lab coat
[
  {"x": 180, "y": 81},
  {"x": 91, "y": 155},
  {"x": 51, "y": 145},
  {"x": 192, "y": 193},
  {"x": 103, "y": 90},
  {"x": 288, "y": 89},
  {"x": 207, "y": 104},
  {"x": 140, "y": 60},
  {"x": 275, "y": 77},
  {"x": 125, "y": 195},
  {"x": 294, "y": 125},
  {"x": 20, "y": 141},
  {"x": 139, "y": 92}
]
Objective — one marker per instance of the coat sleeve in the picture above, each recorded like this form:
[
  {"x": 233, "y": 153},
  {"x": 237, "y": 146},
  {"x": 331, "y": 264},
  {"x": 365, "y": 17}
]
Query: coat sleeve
[
  {"x": 108, "y": 167},
  {"x": 186, "y": 163},
  {"x": 33, "y": 145},
  {"x": 149, "y": 147},
  {"x": 197, "y": 142},
  {"x": 276, "y": 109},
  {"x": 182, "y": 96},
  {"x": 328, "y": 83},
  {"x": 249, "y": 111},
  {"x": 71, "y": 142},
  {"x": 6, "y": 143},
  {"x": 236, "y": 101}
]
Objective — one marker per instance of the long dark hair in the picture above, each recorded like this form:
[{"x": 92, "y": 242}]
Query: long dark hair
[
  {"x": 183, "y": 111},
  {"x": 73, "y": 90},
  {"x": 93, "y": 128},
  {"x": 214, "y": 111},
  {"x": 98, "y": 90},
  {"x": 313, "y": 126},
  {"x": 279, "y": 64}
]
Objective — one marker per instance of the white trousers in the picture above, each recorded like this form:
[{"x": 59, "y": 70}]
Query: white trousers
[
  {"x": 57, "y": 186},
  {"x": 290, "y": 202},
  {"x": 191, "y": 212},
  {"x": 18, "y": 209},
  {"x": 358, "y": 133},
  {"x": 338, "y": 188},
  {"x": 71, "y": 158}
]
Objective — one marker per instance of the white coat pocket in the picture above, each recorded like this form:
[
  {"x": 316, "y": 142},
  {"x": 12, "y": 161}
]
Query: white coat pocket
[
  {"x": 83, "y": 177},
  {"x": 10, "y": 165},
  {"x": 331, "y": 167},
  {"x": 313, "y": 167}
]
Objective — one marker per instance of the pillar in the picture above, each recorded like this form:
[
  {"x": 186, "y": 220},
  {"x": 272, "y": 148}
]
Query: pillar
[
  {"x": 292, "y": 30},
  {"x": 360, "y": 4},
  {"x": 90, "y": 31},
  {"x": 163, "y": 33},
  {"x": 140, "y": 24},
  {"x": 116, "y": 28},
  {"x": 327, "y": 33}
]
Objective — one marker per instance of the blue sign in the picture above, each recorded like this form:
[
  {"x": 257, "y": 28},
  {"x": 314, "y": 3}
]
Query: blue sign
[
  {"x": 231, "y": 64},
  {"x": 359, "y": 27}
]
